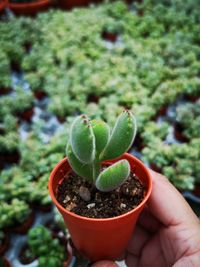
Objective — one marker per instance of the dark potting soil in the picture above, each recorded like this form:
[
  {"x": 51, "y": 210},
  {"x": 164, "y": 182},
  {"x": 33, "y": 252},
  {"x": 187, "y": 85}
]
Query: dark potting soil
[
  {"x": 82, "y": 198},
  {"x": 26, "y": 256}
]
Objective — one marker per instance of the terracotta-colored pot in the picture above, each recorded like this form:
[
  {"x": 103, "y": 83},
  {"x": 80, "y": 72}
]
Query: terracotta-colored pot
[
  {"x": 29, "y": 8},
  {"x": 109, "y": 36},
  {"x": 178, "y": 133},
  {"x": 3, "y": 5},
  {"x": 6, "y": 262},
  {"x": 12, "y": 157},
  {"x": 23, "y": 258},
  {"x": 191, "y": 98},
  {"x": 25, "y": 226},
  {"x": 39, "y": 95},
  {"x": 69, "y": 4},
  {"x": 161, "y": 112},
  {"x": 15, "y": 66},
  {"x": 155, "y": 168},
  {"x": 26, "y": 114},
  {"x": 93, "y": 98},
  {"x": 5, "y": 245},
  {"x": 98, "y": 239},
  {"x": 5, "y": 90},
  {"x": 196, "y": 190},
  {"x": 27, "y": 46},
  {"x": 38, "y": 206},
  {"x": 61, "y": 119}
]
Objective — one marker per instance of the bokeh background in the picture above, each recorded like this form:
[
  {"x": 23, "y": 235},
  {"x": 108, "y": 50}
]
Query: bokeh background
[{"x": 97, "y": 60}]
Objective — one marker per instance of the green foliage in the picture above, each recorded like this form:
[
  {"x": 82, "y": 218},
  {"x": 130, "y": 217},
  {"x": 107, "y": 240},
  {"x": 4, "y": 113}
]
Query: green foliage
[
  {"x": 179, "y": 162},
  {"x": 185, "y": 115},
  {"x": 90, "y": 143},
  {"x": 154, "y": 131},
  {"x": 48, "y": 251},
  {"x": 9, "y": 142},
  {"x": 14, "y": 213}
]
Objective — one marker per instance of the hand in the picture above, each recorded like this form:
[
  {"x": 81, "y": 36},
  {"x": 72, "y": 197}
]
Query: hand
[{"x": 167, "y": 233}]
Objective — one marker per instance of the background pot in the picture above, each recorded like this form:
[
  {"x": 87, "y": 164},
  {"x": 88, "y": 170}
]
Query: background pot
[
  {"x": 98, "y": 239},
  {"x": 68, "y": 4},
  {"x": 6, "y": 263},
  {"x": 4, "y": 247},
  {"x": 25, "y": 226},
  {"x": 3, "y": 5},
  {"x": 29, "y": 8}
]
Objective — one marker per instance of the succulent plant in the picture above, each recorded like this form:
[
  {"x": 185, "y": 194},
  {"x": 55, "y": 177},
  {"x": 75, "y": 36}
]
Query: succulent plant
[
  {"x": 91, "y": 143},
  {"x": 48, "y": 250}
]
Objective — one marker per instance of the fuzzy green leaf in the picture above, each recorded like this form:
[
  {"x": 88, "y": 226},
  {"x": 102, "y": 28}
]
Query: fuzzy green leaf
[
  {"x": 84, "y": 170},
  {"x": 102, "y": 132},
  {"x": 82, "y": 139},
  {"x": 113, "y": 176},
  {"x": 122, "y": 136}
]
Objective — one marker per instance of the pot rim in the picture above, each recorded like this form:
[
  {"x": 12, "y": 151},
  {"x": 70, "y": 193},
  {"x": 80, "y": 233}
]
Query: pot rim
[
  {"x": 28, "y": 5},
  {"x": 126, "y": 156}
]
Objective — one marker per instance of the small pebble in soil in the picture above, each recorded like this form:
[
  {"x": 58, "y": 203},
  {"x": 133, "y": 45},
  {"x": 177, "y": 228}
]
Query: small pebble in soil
[
  {"x": 84, "y": 193},
  {"x": 122, "y": 206},
  {"x": 91, "y": 205}
]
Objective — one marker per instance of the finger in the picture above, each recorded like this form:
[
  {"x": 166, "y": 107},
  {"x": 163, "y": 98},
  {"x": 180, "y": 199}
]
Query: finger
[
  {"x": 167, "y": 204},
  {"x": 139, "y": 239},
  {"x": 192, "y": 260},
  {"x": 152, "y": 254},
  {"x": 104, "y": 264},
  {"x": 148, "y": 221},
  {"x": 131, "y": 261}
]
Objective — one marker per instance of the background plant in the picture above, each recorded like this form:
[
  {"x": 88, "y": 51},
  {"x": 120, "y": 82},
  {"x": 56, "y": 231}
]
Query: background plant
[{"x": 48, "y": 250}]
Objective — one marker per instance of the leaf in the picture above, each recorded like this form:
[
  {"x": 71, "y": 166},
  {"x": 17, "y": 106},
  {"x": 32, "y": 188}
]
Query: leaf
[
  {"x": 122, "y": 136},
  {"x": 102, "y": 132},
  {"x": 82, "y": 139},
  {"x": 113, "y": 176},
  {"x": 84, "y": 170}
]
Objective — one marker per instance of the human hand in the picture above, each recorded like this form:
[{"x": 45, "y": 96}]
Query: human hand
[{"x": 167, "y": 233}]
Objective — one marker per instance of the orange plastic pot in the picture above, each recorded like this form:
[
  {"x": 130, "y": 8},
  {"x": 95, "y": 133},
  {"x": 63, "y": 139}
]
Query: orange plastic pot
[
  {"x": 29, "y": 8},
  {"x": 69, "y": 4},
  {"x": 98, "y": 239}
]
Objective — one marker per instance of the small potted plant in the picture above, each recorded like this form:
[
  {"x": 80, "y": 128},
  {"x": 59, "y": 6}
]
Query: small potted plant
[
  {"x": 111, "y": 31},
  {"x": 39, "y": 197},
  {"x": 187, "y": 122},
  {"x": 109, "y": 202},
  {"x": 4, "y": 242},
  {"x": 9, "y": 148},
  {"x": 5, "y": 81},
  {"x": 16, "y": 216},
  {"x": 48, "y": 250},
  {"x": 26, "y": 256}
]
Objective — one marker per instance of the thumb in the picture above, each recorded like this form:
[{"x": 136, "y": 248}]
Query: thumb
[{"x": 104, "y": 264}]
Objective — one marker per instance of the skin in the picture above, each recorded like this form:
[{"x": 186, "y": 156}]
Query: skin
[{"x": 167, "y": 233}]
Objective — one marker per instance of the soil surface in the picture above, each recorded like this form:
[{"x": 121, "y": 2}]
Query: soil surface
[
  {"x": 82, "y": 198},
  {"x": 25, "y": 255}
]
